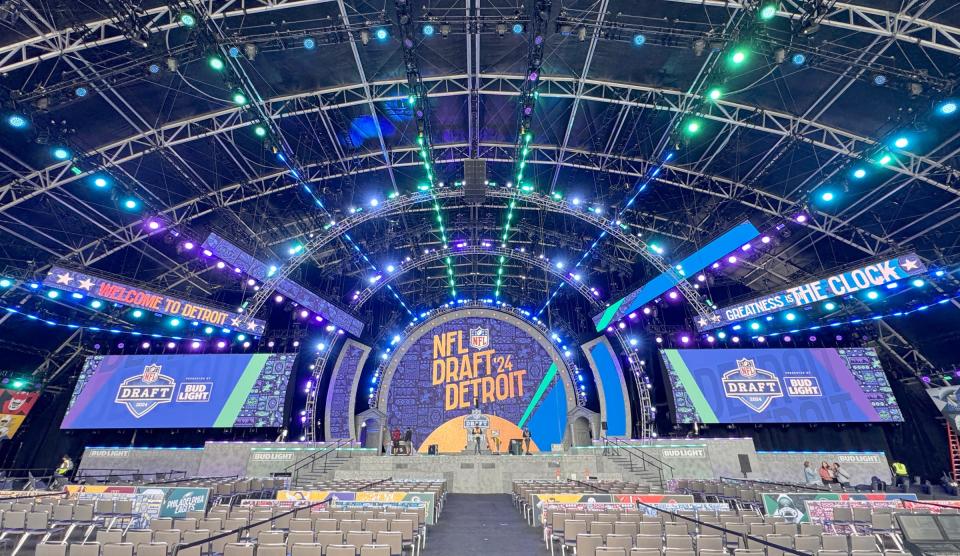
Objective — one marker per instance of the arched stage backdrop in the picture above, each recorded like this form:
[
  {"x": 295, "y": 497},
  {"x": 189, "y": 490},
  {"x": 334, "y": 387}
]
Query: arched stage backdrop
[{"x": 510, "y": 368}]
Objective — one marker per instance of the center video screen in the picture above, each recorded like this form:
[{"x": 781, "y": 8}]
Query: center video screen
[
  {"x": 180, "y": 391},
  {"x": 817, "y": 385}
]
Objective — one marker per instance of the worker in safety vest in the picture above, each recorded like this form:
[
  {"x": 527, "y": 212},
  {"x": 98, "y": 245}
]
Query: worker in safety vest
[{"x": 900, "y": 475}]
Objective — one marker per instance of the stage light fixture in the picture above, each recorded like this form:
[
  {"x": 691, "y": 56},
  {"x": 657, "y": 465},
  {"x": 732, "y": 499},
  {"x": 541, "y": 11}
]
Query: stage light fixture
[
  {"x": 131, "y": 204},
  {"x": 444, "y": 30},
  {"x": 918, "y": 283},
  {"x": 61, "y": 153},
  {"x": 250, "y": 50},
  {"x": 238, "y": 97},
  {"x": 738, "y": 56},
  {"x": 53, "y": 294},
  {"x": 715, "y": 93},
  {"x": 790, "y": 317},
  {"x": 188, "y": 245},
  {"x": 96, "y": 304},
  {"x": 172, "y": 64},
  {"x": 187, "y": 19},
  {"x": 581, "y": 33},
  {"x": 827, "y": 196},
  {"x": 215, "y": 62},
  {"x": 639, "y": 39},
  {"x": 829, "y": 305},
  {"x": 859, "y": 173},
  {"x": 798, "y": 59},
  {"x": 81, "y": 91},
  {"x": 754, "y": 326},
  {"x": 884, "y": 159},
  {"x": 5, "y": 282},
  {"x": 947, "y": 108},
  {"x": 429, "y": 30},
  {"x": 381, "y": 34},
  {"x": 309, "y": 43},
  {"x": 517, "y": 28},
  {"x": 901, "y": 142},
  {"x": 137, "y": 313},
  {"x": 153, "y": 225},
  {"x": 693, "y": 127},
  {"x": 17, "y": 121},
  {"x": 768, "y": 11},
  {"x": 234, "y": 51},
  {"x": 100, "y": 182},
  {"x": 154, "y": 68},
  {"x": 174, "y": 322},
  {"x": 879, "y": 80}
]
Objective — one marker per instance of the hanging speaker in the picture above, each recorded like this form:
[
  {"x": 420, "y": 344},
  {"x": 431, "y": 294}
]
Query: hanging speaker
[{"x": 474, "y": 181}]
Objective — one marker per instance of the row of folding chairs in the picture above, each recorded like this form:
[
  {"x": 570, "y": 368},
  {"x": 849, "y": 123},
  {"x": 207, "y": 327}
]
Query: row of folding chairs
[
  {"x": 617, "y": 551},
  {"x": 229, "y": 549}
]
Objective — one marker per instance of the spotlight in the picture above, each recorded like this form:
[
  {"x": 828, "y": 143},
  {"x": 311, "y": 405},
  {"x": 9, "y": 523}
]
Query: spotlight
[
  {"x": 768, "y": 11},
  {"x": 798, "y": 59},
  {"x": 715, "y": 93},
  {"x": 429, "y": 30},
  {"x": 5, "y": 282},
  {"x": 879, "y": 80},
  {"x": 872, "y": 295},
  {"x": 215, "y": 62},
  {"x": 790, "y": 317},
  {"x": 901, "y": 142},
  {"x": 381, "y": 34},
  {"x": 884, "y": 160},
  {"x": 829, "y": 305},
  {"x": 195, "y": 344},
  {"x": 131, "y": 204},
  {"x": 81, "y": 91},
  {"x": 61, "y": 153},
  {"x": 137, "y": 313},
  {"x": 234, "y": 51},
  {"x": 738, "y": 57},
  {"x": 100, "y": 182},
  {"x": 145, "y": 345},
  {"x": 16, "y": 121},
  {"x": 238, "y": 97},
  {"x": 639, "y": 39},
  {"x": 153, "y": 225},
  {"x": 918, "y": 283},
  {"x": 260, "y": 131},
  {"x": 692, "y": 127},
  {"x": 188, "y": 245},
  {"x": 801, "y": 218},
  {"x": 826, "y": 196},
  {"x": 947, "y": 108},
  {"x": 309, "y": 43},
  {"x": 174, "y": 322},
  {"x": 859, "y": 173},
  {"x": 171, "y": 345},
  {"x": 187, "y": 19},
  {"x": 53, "y": 294},
  {"x": 517, "y": 28},
  {"x": 153, "y": 68}
]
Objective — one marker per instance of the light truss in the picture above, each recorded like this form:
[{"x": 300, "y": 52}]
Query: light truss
[{"x": 473, "y": 250}]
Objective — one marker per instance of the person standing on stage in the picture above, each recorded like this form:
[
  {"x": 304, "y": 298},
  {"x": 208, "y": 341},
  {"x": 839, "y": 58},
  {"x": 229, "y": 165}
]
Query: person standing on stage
[
  {"x": 495, "y": 436},
  {"x": 526, "y": 440},
  {"x": 840, "y": 475},
  {"x": 408, "y": 441},
  {"x": 826, "y": 474},
  {"x": 809, "y": 475},
  {"x": 395, "y": 437},
  {"x": 477, "y": 435}
]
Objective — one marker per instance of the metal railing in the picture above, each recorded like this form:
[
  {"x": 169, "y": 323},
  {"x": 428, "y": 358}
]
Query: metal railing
[
  {"x": 799, "y": 486},
  {"x": 638, "y": 458},
  {"x": 132, "y": 475},
  {"x": 319, "y": 458}
]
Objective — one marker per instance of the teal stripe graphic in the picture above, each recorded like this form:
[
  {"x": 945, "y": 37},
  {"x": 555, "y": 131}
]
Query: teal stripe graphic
[
  {"x": 690, "y": 385},
  {"x": 609, "y": 314},
  {"x": 228, "y": 415},
  {"x": 551, "y": 372}
]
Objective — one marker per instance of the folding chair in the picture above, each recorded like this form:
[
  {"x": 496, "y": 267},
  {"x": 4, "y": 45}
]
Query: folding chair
[
  {"x": 341, "y": 550},
  {"x": 587, "y": 544}
]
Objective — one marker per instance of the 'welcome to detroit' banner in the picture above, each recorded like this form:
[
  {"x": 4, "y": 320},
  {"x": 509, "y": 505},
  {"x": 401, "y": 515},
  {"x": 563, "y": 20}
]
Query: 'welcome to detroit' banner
[
  {"x": 845, "y": 283},
  {"x": 140, "y": 298}
]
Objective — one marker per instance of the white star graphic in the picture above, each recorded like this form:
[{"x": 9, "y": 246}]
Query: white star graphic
[
  {"x": 910, "y": 264},
  {"x": 715, "y": 318},
  {"x": 64, "y": 278},
  {"x": 251, "y": 325},
  {"x": 86, "y": 284},
  {"x": 702, "y": 322},
  {"x": 234, "y": 322}
]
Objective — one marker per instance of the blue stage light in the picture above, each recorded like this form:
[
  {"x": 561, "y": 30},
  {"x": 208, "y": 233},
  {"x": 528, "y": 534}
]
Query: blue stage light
[
  {"x": 790, "y": 317},
  {"x": 381, "y": 34},
  {"x": 918, "y": 283},
  {"x": 137, "y": 313},
  {"x": 859, "y": 173},
  {"x": 100, "y": 182},
  {"x": 798, "y": 59},
  {"x": 80, "y": 91},
  {"x": 154, "y": 68},
  {"x": 829, "y": 305},
  {"x": 5, "y": 282},
  {"x": 131, "y": 204},
  {"x": 309, "y": 43},
  {"x": 53, "y": 294},
  {"x": 827, "y": 196},
  {"x": 879, "y": 80},
  {"x": 16, "y": 121},
  {"x": 639, "y": 39},
  {"x": 872, "y": 295},
  {"x": 947, "y": 107},
  {"x": 61, "y": 153},
  {"x": 754, "y": 326},
  {"x": 901, "y": 142},
  {"x": 96, "y": 304},
  {"x": 429, "y": 30},
  {"x": 517, "y": 28}
]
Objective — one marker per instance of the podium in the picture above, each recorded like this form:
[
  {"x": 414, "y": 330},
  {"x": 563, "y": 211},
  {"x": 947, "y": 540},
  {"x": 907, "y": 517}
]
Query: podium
[{"x": 472, "y": 421}]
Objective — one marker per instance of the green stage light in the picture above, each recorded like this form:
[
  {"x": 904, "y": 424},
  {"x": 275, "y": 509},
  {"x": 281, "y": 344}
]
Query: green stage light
[
  {"x": 829, "y": 305},
  {"x": 96, "y": 304},
  {"x": 215, "y": 62},
  {"x": 238, "y": 97},
  {"x": 187, "y": 19},
  {"x": 768, "y": 11},
  {"x": 17, "y": 384},
  {"x": 5, "y": 283},
  {"x": 174, "y": 322},
  {"x": 715, "y": 93},
  {"x": 738, "y": 56},
  {"x": 693, "y": 127},
  {"x": 260, "y": 131}
]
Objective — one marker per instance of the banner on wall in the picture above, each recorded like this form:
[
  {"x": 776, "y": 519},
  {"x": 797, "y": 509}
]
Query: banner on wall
[
  {"x": 180, "y": 391},
  {"x": 791, "y": 505},
  {"x": 820, "y": 511},
  {"x": 148, "y": 502},
  {"x": 821, "y": 385},
  {"x": 845, "y": 283},
  {"x": 732, "y": 239},
  {"x": 537, "y": 501},
  {"x": 928, "y": 505},
  {"x": 340, "y": 498},
  {"x": 14, "y": 407},
  {"x": 134, "y": 296}
]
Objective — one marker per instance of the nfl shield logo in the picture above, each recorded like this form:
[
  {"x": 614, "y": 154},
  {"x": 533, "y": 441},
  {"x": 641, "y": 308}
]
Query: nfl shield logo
[
  {"x": 747, "y": 367},
  {"x": 479, "y": 337},
  {"x": 151, "y": 373},
  {"x": 755, "y": 388}
]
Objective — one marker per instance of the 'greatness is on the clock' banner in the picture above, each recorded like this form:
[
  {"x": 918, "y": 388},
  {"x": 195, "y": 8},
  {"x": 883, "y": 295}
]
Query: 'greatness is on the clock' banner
[
  {"x": 845, "y": 283},
  {"x": 140, "y": 298}
]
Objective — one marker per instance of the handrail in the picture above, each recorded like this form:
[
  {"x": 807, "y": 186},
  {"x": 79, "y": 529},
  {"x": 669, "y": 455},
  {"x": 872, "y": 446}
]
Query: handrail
[
  {"x": 791, "y": 485},
  {"x": 745, "y": 536},
  {"x": 171, "y": 481},
  {"x": 311, "y": 460},
  {"x": 238, "y": 530},
  {"x": 643, "y": 456},
  {"x": 56, "y": 493}
]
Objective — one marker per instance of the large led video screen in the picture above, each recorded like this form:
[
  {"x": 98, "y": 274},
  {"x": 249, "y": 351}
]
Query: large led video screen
[
  {"x": 476, "y": 368},
  {"x": 180, "y": 391},
  {"x": 816, "y": 385}
]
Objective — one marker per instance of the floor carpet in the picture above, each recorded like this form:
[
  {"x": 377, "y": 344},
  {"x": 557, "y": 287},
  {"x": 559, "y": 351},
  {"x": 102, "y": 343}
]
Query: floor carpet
[{"x": 482, "y": 524}]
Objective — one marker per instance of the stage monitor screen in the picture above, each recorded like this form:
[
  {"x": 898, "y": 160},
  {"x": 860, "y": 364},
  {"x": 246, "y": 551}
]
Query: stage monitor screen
[
  {"x": 920, "y": 528},
  {"x": 817, "y": 385},
  {"x": 180, "y": 391}
]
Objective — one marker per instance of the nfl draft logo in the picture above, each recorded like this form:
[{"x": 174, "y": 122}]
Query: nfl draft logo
[
  {"x": 142, "y": 393},
  {"x": 479, "y": 338},
  {"x": 756, "y": 388}
]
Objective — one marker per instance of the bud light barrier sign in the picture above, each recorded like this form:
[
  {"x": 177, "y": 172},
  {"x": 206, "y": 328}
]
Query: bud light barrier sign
[
  {"x": 180, "y": 391},
  {"x": 779, "y": 386}
]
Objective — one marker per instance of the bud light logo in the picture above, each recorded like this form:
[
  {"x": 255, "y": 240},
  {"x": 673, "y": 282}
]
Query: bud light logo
[
  {"x": 756, "y": 388},
  {"x": 142, "y": 393}
]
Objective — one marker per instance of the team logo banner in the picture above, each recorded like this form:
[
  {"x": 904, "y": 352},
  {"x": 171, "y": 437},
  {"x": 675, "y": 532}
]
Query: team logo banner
[
  {"x": 14, "y": 407},
  {"x": 791, "y": 506},
  {"x": 365, "y": 497},
  {"x": 148, "y": 502},
  {"x": 845, "y": 283},
  {"x": 140, "y": 298},
  {"x": 180, "y": 391},
  {"x": 539, "y": 501},
  {"x": 779, "y": 386}
]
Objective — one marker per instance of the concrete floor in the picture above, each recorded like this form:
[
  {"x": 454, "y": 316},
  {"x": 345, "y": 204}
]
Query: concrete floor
[{"x": 482, "y": 524}]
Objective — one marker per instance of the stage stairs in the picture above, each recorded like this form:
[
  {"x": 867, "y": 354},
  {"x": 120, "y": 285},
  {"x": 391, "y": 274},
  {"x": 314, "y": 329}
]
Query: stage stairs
[
  {"x": 635, "y": 463},
  {"x": 322, "y": 464}
]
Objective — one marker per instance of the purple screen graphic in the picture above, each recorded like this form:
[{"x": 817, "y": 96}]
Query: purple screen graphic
[{"x": 417, "y": 401}]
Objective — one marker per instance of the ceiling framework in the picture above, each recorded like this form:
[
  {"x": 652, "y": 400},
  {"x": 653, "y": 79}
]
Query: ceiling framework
[{"x": 597, "y": 125}]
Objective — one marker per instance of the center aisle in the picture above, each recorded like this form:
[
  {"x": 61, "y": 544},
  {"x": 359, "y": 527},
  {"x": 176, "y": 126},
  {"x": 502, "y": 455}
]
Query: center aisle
[{"x": 482, "y": 524}]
